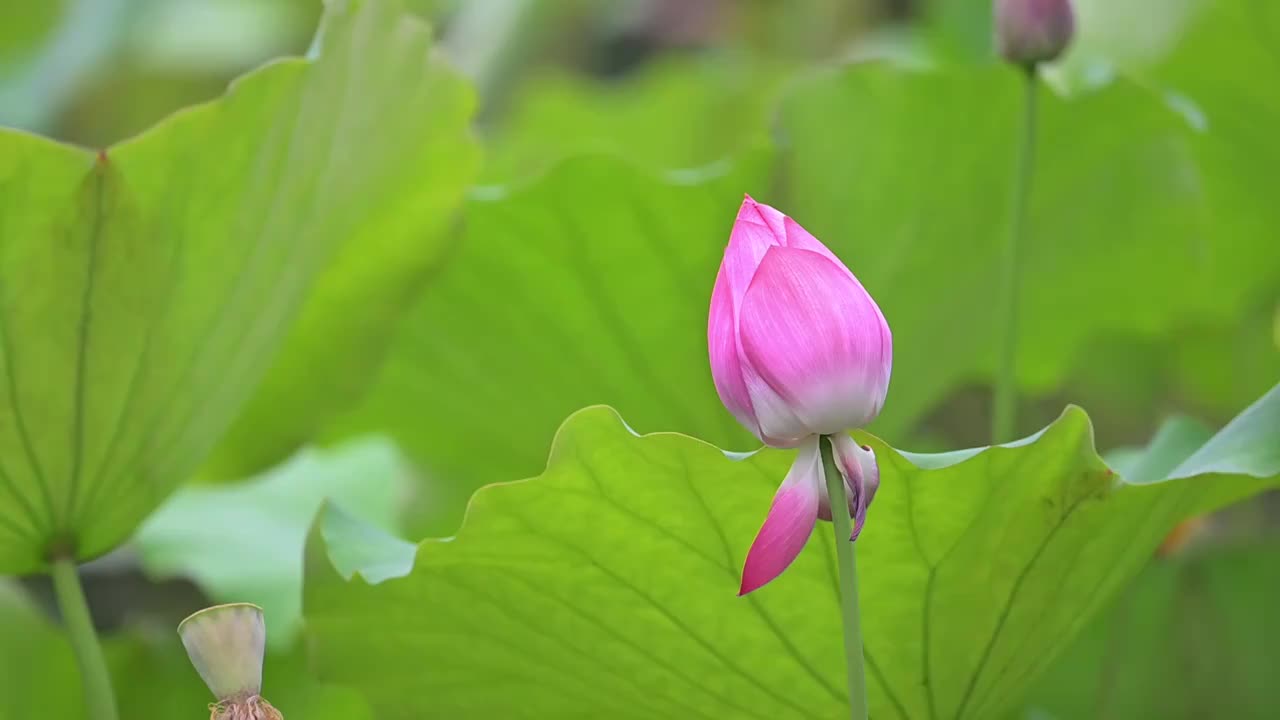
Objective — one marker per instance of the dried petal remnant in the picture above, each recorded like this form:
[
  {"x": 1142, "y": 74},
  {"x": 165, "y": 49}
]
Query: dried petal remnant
[{"x": 252, "y": 708}]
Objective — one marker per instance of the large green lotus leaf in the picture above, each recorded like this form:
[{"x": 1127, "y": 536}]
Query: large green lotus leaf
[
  {"x": 1174, "y": 442},
  {"x": 243, "y": 543},
  {"x": 144, "y": 289},
  {"x": 341, "y": 337},
  {"x": 1193, "y": 637},
  {"x": 606, "y": 586},
  {"x": 1127, "y": 382},
  {"x": 1203, "y": 55},
  {"x": 1222, "y": 67},
  {"x": 1211, "y": 74},
  {"x": 588, "y": 286},
  {"x": 916, "y": 201},
  {"x": 669, "y": 114},
  {"x": 152, "y": 677}
]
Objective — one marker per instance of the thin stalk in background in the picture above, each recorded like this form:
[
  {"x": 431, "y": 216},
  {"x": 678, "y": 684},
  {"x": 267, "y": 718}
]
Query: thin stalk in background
[
  {"x": 99, "y": 696},
  {"x": 1005, "y": 406},
  {"x": 848, "y": 583}
]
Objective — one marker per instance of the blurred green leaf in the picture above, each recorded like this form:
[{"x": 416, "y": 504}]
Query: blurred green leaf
[
  {"x": 1192, "y": 638},
  {"x": 49, "y": 50},
  {"x": 357, "y": 546},
  {"x": 1219, "y": 365},
  {"x": 671, "y": 114},
  {"x": 958, "y": 31},
  {"x": 1220, "y": 69},
  {"x": 1176, "y": 440},
  {"x": 23, "y": 26},
  {"x": 144, "y": 290},
  {"x": 1126, "y": 37},
  {"x": 244, "y": 543},
  {"x": 333, "y": 351},
  {"x": 197, "y": 37},
  {"x": 590, "y": 285},
  {"x": 150, "y": 670},
  {"x": 1122, "y": 250},
  {"x": 35, "y": 662},
  {"x": 1204, "y": 369},
  {"x": 1211, "y": 76},
  {"x": 606, "y": 585},
  {"x": 916, "y": 202}
]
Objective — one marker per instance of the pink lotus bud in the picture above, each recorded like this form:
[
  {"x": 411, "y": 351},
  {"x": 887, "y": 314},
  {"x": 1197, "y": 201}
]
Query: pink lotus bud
[
  {"x": 797, "y": 346},
  {"x": 1033, "y": 31},
  {"x": 798, "y": 350}
]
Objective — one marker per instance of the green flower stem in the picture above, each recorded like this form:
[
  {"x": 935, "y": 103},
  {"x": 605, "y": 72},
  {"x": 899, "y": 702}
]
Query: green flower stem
[
  {"x": 848, "y": 583},
  {"x": 98, "y": 694},
  {"x": 1004, "y": 413}
]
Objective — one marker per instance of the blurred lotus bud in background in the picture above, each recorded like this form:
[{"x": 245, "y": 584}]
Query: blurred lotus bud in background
[{"x": 1029, "y": 32}]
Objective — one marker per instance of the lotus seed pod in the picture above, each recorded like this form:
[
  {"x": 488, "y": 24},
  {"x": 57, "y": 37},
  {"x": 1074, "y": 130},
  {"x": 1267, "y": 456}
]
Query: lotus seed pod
[{"x": 226, "y": 644}]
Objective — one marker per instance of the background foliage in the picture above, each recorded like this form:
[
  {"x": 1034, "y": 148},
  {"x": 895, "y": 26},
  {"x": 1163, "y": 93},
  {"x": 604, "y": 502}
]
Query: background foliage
[{"x": 376, "y": 279}]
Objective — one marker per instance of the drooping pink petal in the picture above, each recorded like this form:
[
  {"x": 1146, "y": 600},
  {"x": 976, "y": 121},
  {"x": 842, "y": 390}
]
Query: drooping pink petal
[
  {"x": 817, "y": 339},
  {"x": 790, "y": 522},
  {"x": 861, "y": 477}
]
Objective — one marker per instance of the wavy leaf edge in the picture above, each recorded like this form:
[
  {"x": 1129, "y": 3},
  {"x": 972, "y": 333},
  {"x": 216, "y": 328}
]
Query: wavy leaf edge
[{"x": 1073, "y": 417}]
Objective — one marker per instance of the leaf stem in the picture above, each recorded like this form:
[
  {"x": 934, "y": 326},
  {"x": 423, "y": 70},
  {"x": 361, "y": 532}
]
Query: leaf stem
[
  {"x": 98, "y": 694},
  {"x": 848, "y": 583},
  {"x": 1005, "y": 406}
]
